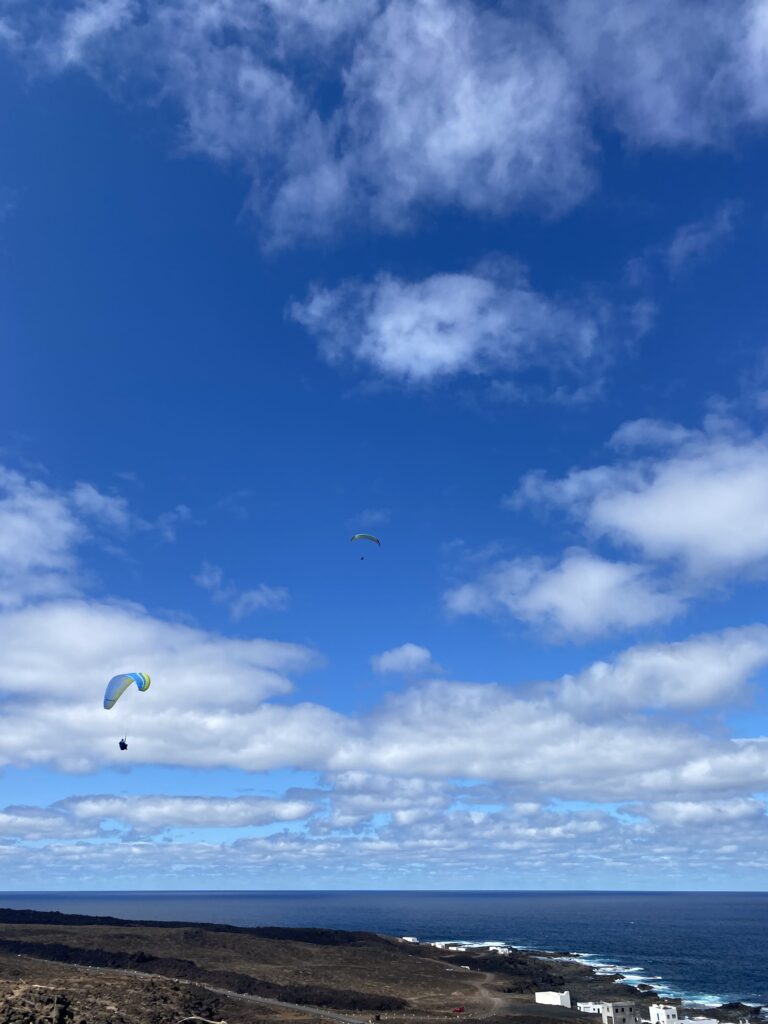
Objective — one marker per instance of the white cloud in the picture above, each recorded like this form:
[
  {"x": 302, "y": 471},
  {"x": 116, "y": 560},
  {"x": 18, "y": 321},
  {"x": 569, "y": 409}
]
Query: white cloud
[
  {"x": 167, "y": 522},
  {"x": 694, "y": 673},
  {"x": 206, "y": 695},
  {"x": 43, "y": 529},
  {"x": 447, "y": 102},
  {"x": 376, "y": 516},
  {"x": 651, "y": 434},
  {"x": 753, "y": 62},
  {"x": 87, "y": 25},
  {"x": 533, "y": 847},
  {"x": 700, "y": 503},
  {"x": 357, "y": 797},
  {"x": 95, "y": 641},
  {"x": 408, "y": 658},
  {"x": 262, "y": 596},
  {"x": 692, "y": 241},
  {"x": 539, "y": 744},
  {"x": 480, "y": 322},
  {"x": 687, "y": 813},
  {"x": 205, "y": 705},
  {"x": 9, "y": 36},
  {"x": 156, "y": 813},
  {"x": 38, "y": 532},
  {"x": 627, "y": 56},
  {"x": 239, "y": 602},
  {"x": 106, "y": 816},
  {"x": 582, "y": 596},
  {"x": 32, "y": 824},
  {"x": 438, "y": 102},
  {"x": 688, "y": 245},
  {"x": 111, "y": 509}
]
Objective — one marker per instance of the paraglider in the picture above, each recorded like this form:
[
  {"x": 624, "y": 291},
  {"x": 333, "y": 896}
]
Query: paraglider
[
  {"x": 117, "y": 686},
  {"x": 366, "y": 536}
]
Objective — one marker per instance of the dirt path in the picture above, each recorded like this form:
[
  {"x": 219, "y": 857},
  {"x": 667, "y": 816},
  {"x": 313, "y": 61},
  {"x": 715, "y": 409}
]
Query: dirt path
[{"x": 487, "y": 991}]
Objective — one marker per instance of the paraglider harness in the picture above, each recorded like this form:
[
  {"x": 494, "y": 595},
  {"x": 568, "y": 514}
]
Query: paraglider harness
[{"x": 123, "y": 743}]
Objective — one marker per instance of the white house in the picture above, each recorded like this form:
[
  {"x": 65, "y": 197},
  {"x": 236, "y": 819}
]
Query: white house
[
  {"x": 554, "y": 998},
  {"x": 589, "y": 1007},
  {"x": 408, "y": 938},
  {"x": 619, "y": 1013},
  {"x": 663, "y": 1013}
]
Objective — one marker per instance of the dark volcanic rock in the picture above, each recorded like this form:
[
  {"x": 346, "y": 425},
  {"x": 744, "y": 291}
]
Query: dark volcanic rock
[
  {"x": 520, "y": 973},
  {"x": 38, "y": 1006},
  {"x": 313, "y": 936},
  {"x": 172, "y": 967}
]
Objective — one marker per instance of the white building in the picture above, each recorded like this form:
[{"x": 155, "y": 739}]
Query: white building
[
  {"x": 408, "y": 938},
  {"x": 589, "y": 1007},
  {"x": 554, "y": 998},
  {"x": 619, "y": 1013},
  {"x": 663, "y": 1013},
  {"x": 698, "y": 1020}
]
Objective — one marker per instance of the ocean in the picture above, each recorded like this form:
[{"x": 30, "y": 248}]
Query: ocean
[{"x": 707, "y": 947}]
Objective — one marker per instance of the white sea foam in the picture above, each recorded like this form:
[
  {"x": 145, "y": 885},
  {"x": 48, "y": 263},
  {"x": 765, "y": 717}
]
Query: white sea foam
[
  {"x": 631, "y": 975},
  {"x": 635, "y": 975}
]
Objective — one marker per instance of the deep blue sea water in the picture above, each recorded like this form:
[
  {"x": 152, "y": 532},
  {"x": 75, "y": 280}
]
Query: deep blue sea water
[{"x": 705, "y": 947}]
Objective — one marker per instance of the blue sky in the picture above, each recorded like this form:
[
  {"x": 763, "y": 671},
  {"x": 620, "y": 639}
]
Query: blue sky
[{"x": 484, "y": 279}]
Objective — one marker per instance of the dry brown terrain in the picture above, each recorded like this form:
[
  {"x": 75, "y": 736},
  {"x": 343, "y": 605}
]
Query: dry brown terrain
[{"x": 75, "y": 970}]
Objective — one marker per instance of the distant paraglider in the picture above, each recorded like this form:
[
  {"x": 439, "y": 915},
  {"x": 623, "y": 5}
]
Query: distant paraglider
[
  {"x": 366, "y": 536},
  {"x": 123, "y": 744}
]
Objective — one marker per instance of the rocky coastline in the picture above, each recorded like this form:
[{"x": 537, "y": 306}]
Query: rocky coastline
[{"x": 73, "y": 969}]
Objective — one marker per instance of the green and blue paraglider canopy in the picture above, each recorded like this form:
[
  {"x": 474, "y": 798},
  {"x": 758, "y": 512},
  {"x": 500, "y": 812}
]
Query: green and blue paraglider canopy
[
  {"x": 117, "y": 686},
  {"x": 366, "y": 536}
]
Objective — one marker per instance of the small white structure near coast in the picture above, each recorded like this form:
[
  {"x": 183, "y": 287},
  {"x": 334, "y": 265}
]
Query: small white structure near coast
[
  {"x": 662, "y": 1013},
  {"x": 408, "y": 938},
  {"x": 554, "y": 998},
  {"x": 665, "y": 1013},
  {"x": 619, "y": 1013},
  {"x": 589, "y": 1007}
]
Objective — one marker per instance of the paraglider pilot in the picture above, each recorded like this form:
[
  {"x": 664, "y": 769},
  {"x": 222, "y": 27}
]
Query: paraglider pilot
[
  {"x": 365, "y": 536},
  {"x": 123, "y": 743}
]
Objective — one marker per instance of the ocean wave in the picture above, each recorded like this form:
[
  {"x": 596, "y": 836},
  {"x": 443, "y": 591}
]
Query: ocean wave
[
  {"x": 628, "y": 974},
  {"x": 636, "y": 975}
]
